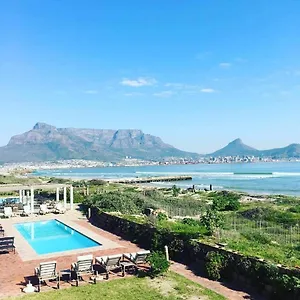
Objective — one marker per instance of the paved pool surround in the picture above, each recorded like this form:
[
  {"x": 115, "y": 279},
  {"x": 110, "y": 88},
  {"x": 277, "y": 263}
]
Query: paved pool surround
[{"x": 27, "y": 253}]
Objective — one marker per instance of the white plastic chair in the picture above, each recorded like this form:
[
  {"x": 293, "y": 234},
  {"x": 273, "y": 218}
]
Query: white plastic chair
[
  {"x": 26, "y": 210},
  {"x": 43, "y": 209},
  {"x": 8, "y": 212}
]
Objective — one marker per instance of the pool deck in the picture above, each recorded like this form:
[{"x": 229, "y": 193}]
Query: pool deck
[{"x": 16, "y": 269}]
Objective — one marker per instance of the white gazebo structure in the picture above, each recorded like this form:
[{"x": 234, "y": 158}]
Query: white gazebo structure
[{"x": 26, "y": 193}]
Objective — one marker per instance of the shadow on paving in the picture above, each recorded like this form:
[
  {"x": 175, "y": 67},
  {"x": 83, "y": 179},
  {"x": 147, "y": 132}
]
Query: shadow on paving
[{"x": 198, "y": 270}]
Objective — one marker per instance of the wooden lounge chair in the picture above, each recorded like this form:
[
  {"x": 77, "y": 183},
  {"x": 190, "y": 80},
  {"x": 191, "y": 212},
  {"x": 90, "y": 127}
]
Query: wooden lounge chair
[
  {"x": 59, "y": 209},
  {"x": 7, "y": 244},
  {"x": 8, "y": 212},
  {"x": 26, "y": 210},
  {"x": 46, "y": 271},
  {"x": 43, "y": 209},
  {"x": 83, "y": 266},
  {"x": 109, "y": 263},
  {"x": 138, "y": 258}
]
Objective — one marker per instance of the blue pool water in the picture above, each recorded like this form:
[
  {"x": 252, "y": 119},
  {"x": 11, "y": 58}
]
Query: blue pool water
[{"x": 53, "y": 236}]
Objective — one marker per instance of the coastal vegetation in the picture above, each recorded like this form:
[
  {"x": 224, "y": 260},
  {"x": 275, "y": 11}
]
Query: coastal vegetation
[
  {"x": 11, "y": 179},
  {"x": 266, "y": 229}
]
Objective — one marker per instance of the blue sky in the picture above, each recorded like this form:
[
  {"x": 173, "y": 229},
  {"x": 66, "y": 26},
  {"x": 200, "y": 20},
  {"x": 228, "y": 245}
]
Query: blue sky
[{"x": 196, "y": 73}]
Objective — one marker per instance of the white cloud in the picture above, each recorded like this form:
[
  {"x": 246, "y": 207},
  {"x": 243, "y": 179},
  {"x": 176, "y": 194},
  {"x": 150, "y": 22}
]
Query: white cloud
[
  {"x": 91, "y": 92},
  {"x": 225, "y": 65},
  {"x": 141, "y": 81},
  {"x": 207, "y": 90},
  {"x": 164, "y": 94}
]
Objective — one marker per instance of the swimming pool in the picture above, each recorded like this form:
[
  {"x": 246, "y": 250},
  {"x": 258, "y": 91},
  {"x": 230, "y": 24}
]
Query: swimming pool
[{"x": 53, "y": 236}]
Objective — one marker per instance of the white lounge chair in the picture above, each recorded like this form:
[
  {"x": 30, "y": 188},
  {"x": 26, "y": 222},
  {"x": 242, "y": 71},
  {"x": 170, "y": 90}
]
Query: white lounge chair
[
  {"x": 47, "y": 271},
  {"x": 83, "y": 266},
  {"x": 26, "y": 210},
  {"x": 8, "y": 212},
  {"x": 138, "y": 258},
  {"x": 59, "y": 208},
  {"x": 43, "y": 209},
  {"x": 109, "y": 263}
]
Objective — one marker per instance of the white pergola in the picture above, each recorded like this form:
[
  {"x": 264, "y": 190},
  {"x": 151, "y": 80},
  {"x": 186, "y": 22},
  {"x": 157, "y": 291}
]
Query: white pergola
[{"x": 26, "y": 192}]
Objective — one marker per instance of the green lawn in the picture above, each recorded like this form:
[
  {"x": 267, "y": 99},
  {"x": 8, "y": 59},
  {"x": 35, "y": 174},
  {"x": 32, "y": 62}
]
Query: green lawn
[{"x": 170, "y": 287}]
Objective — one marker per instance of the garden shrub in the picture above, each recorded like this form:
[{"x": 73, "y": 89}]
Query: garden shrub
[
  {"x": 214, "y": 265},
  {"x": 212, "y": 220},
  {"x": 159, "y": 264}
]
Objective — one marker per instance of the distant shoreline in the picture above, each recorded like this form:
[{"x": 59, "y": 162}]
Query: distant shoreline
[{"x": 30, "y": 167}]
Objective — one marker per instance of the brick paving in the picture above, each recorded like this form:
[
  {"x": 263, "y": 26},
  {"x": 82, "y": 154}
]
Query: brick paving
[
  {"x": 14, "y": 272},
  {"x": 230, "y": 292}
]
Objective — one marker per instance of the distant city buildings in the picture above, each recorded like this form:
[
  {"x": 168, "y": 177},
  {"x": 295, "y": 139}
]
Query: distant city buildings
[{"x": 28, "y": 167}]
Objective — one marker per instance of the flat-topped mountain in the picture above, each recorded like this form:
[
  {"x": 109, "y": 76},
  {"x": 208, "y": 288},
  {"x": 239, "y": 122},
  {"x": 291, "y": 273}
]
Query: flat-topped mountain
[{"x": 46, "y": 143}]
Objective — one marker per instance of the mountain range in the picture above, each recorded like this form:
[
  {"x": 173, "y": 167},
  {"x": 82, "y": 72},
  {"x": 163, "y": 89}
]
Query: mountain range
[
  {"x": 238, "y": 148},
  {"x": 45, "y": 142},
  {"x": 48, "y": 143}
]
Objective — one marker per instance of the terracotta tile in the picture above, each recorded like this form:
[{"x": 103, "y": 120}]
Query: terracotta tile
[{"x": 15, "y": 272}]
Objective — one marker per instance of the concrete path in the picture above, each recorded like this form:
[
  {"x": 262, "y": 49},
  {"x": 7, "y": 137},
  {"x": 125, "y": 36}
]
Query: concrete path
[{"x": 229, "y": 291}]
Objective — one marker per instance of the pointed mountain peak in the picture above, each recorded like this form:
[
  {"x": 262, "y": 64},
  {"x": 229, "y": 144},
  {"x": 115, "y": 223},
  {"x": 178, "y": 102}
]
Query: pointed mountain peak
[
  {"x": 234, "y": 148},
  {"x": 237, "y": 142},
  {"x": 43, "y": 126}
]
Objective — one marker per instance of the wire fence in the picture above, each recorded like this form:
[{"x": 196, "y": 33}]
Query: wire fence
[{"x": 276, "y": 233}]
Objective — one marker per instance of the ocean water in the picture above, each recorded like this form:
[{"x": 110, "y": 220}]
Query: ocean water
[{"x": 256, "y": 178}]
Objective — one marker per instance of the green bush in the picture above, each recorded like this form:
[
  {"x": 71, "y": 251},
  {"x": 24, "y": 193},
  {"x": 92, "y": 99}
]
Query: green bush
[
  {"x": 258, "y": 237},
  {"x": 212, "y": 220},
  {"x": 159, "y": 264},
  {"x": 225, "y": 201},
  {"x": 162, "y": 217},
  {"x": 214, "y": 265},
  {"x": 294, "y": 209},
  {"x": 97, "y": 182},
  {"x": 175, "y": 190},
  {"x": 191, "y": 222},
  {"x": 136, "y": 202},
  {"x": 270, "y": 214}
]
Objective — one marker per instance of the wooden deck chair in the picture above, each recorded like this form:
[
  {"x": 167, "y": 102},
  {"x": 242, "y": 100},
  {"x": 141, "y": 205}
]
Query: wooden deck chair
[
  {"x": 46, "y": 271},
  {"x": 83, "y": 266},
  {"x": 109, "y": 263}
]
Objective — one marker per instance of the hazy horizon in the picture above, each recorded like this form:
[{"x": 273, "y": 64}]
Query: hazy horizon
[{"x": 196, "y": 75}]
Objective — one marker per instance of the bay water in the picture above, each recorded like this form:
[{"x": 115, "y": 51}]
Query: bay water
[{"x": 255, "y": 178}]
